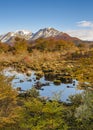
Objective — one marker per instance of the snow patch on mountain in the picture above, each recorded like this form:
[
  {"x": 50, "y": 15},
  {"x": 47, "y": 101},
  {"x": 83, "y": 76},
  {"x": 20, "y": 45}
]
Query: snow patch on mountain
[
  {"x": 46, "y": 32},
  {"x": 11, "y": 35}
]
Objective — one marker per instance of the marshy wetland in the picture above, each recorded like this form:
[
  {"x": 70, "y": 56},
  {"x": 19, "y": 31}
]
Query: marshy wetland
[
  {"x": 46, "y": 88},
  {"x": 46, "y": 85}
]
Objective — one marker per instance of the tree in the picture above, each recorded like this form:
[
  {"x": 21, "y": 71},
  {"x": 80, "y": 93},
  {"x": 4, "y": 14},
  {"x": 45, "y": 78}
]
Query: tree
[
  {"x": 9, "y": 110},
  {"x": 53, "y": 117},
  {"x": 20, "y": 45},
  {"x": 38, "y": 115},
  {"x": 84, "y": 113},
  {"x": 31, "y": 114},
  {"x": 4, "y": 47}
]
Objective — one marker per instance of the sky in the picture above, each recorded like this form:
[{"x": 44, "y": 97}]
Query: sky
[{"x": 72, "y": 16}]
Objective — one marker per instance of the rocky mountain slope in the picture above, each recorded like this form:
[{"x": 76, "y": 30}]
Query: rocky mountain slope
[{"x": 42, "y": 33}]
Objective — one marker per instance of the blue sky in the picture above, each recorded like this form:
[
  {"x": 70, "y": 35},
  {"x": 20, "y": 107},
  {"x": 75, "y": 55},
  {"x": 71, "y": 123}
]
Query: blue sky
[{"x": 72, "y": 16}]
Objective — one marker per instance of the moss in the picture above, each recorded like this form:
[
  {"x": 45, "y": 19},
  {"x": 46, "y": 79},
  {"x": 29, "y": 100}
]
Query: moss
[
  {"x": 49, "y": 76},
  {"x": 57, "y": 82},
  {"x": 38, "y": 77},
  {"x": 39, "y": 73},
  {"x": 28, "y": 73}
]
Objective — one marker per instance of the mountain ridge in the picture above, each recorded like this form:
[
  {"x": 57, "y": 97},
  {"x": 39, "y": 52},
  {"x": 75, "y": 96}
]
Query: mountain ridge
[{"x": 41, "y": 33}]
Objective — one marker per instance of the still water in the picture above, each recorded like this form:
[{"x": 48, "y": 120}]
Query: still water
[{"x": 27, "y": 82}]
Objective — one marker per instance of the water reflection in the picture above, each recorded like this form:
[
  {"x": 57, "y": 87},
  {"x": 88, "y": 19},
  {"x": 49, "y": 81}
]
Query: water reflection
[{"x": 27, "y": 82}]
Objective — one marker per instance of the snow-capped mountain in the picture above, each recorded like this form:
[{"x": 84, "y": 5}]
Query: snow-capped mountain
[
  {"x": 53, "y": 33},
  {"x": 6, "y": 37},
  {"x": 10, "y": 36},
  {"x": 42, "y": 33}
]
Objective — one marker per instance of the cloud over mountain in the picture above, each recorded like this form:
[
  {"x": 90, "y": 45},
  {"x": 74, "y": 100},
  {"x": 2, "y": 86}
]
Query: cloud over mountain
[
  {"x": 84, "y": 31},
  {"x": 82, "y": 34}
]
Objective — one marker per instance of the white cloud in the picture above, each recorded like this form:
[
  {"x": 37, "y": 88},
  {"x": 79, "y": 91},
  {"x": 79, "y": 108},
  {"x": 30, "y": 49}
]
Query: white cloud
[
  {"x": 85, "y": 24},
  {"x": 82, "y": 34}
]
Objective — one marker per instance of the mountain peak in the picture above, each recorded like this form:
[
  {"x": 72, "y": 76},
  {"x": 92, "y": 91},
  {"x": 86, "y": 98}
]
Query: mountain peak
[
  {"x": 23, "y": 32},
  {"x": 45, "y": 32},
  {"x": 49, "y": 29}
]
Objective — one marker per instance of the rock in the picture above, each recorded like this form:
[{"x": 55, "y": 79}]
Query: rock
[
  {"x": 18, "y": 89},
  {"x": 38, "y": 85},
  {"x": 21, "y": 80},
  {"x": 68, "y": 86},
  {"x": 29, "y": 80},
  {"x": 45, "y": 84}
]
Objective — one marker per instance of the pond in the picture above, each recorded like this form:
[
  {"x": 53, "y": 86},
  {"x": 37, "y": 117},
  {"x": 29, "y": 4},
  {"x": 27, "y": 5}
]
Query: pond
[{"x": 49, "y": 90}]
